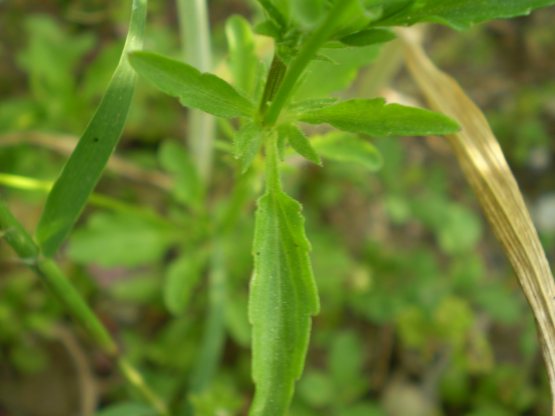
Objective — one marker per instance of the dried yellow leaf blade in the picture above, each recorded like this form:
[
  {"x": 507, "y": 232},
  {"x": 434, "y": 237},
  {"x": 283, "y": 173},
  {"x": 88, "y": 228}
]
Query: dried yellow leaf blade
[{"x": 488, "y": 173}]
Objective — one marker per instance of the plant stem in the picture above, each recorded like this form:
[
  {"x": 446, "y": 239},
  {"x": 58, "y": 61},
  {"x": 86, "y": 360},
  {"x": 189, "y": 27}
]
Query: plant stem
[
  {"x": 54, "y": 279},
  {"x": 273, "y": 180},
  {"x": 195, "y": 40},
  {"x": 300, "y": 62},
  {"x": 136, "y": 380},
  {"x": 273, "y": 82}
]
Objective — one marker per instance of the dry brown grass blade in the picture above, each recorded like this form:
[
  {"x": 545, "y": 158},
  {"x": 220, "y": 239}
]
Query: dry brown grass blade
[{"x": 488, "y": 173}]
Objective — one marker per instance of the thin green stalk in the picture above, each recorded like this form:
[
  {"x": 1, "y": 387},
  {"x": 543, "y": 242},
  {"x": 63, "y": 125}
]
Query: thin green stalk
[
  {"x": 102, "y": 201},
  {"x": 303, "y": 58},
  {"x": 136, "y": 380},
  {"x": 273, "y": 180},
  {"x": 273, "y": 82},
  {"x": 66, "y": 293},
  {"x": 20, "y": 240},
  {"x": 195, "y": 39}
]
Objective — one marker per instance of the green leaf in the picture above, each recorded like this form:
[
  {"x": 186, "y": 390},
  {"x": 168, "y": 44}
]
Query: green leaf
[
  {"x": 344, "y": 147},
  {"x": 119, "y": 240},
  {"x": 247, "y": 143},
  {"x": 358, "y": 16},
  {"x": 181, "y": 278},
  {"x": 127, "y": 409},
  {"x": 368, "y": 37},
  {"x": 85, "y": 165},
  {"x": 308, "y": 12},
  {"x": 268, "y": 28},
  {"x": 460, "y": 14},
  {"x": 325, "y": 77},
  {"x": 283, "y": 296},
  {"x": 300, "y": 142},
  {"x": 276, "y": 11},
  {"x": 375, "y": 118},
  {"x": 345, "y": 362},
  {"x": 140, "y": 290},
  {"x": 194, "y": 89},
  {"x": 242, "y": 56},
  {"x": 188, "y": 187},
  {"x": 317, "y": 389}
]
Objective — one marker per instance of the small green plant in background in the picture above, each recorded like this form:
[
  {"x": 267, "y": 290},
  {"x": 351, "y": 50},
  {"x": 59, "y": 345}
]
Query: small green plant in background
[{"x": 266, "y": 110}]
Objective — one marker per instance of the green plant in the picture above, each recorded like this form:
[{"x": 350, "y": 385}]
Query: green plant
[{"x": 262, "y": 111}]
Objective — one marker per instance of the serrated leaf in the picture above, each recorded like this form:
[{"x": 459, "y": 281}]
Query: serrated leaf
[
  {"x": 376, "y": 118},
  {"x": 181, "y": 278},
  {"x": 283, "y": 297},
  {"x": 348, "y": 148},
  {"x": 299, "y": 142},
  {"x": 204, "y": 91},
  {"x": 460, "y": 14},
  {"x": 247, "y": 143},
  {"x": 311, "y": 104},
  {"x": 243, "y": 60},
  {"x": 84, "y": 167},
  {"x": 368, "y": 37}
]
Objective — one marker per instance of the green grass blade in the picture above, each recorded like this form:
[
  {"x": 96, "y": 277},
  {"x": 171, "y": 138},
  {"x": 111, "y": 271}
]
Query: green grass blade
[{"x": 84, "y": 167}]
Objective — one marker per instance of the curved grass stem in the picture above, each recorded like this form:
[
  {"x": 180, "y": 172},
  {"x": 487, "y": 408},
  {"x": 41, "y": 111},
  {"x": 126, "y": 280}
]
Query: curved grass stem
[{"x": 21, "y": 241}]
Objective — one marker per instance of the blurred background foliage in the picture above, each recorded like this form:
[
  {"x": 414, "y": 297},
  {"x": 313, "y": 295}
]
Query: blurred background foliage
[{"x": 421, "y": 314}]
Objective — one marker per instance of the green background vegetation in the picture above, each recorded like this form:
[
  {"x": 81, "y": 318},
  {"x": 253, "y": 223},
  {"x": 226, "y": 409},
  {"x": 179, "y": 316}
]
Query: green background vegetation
[{"x": 420, "y": 313}]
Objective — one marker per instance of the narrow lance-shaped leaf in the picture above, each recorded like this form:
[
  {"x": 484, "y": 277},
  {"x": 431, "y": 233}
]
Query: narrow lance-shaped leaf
[
  {"x": 348, "y": 148},
  {"x": 283, "y": 297},
  {"x": 204, "y": 91},
  {"x": 368, "y": 37},
  {"x": 376, "y": 118},
  {"x": 461, "y": 14},
  {"x": 299, "y": 142},
  {"x": 486, "y": 169},
  {"x": 85, "y": 165},
  {"x": 246, "y": 144}
]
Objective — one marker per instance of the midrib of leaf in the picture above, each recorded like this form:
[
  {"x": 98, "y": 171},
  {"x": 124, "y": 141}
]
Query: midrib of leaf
[{"x": 85, "y": 165}]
